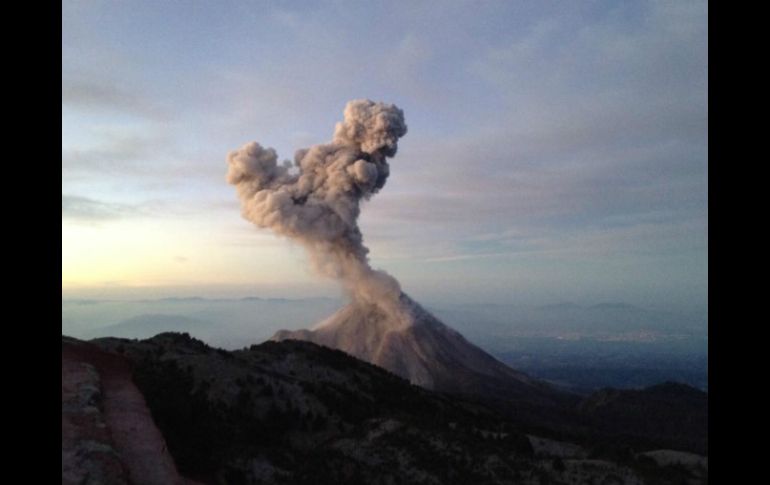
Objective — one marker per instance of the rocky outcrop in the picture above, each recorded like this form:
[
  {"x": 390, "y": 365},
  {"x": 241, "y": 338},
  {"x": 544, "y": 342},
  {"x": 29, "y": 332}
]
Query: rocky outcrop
[
  {"x": 108, "y": 435},
  {"x": 88, "y": 452}
]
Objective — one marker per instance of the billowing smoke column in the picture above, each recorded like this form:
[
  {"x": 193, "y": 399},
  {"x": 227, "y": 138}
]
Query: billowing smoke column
[{"x": 319, "y": 204}]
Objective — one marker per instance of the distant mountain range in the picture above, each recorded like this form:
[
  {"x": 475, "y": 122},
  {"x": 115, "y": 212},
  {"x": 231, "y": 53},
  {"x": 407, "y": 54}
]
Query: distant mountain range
[
  {"x": 603, "y": 320},
  {"x": 577, "y": 347},
  {"x": 88, "y": 301},
  {"x": 151, "y": 324}
]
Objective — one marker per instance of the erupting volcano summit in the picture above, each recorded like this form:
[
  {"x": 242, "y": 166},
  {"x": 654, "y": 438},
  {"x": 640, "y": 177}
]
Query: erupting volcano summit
[{"x": 316, "y": 201}]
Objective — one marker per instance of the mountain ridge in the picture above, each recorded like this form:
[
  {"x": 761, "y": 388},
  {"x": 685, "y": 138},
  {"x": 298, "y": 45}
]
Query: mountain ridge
[{"x": 295, "y": 412}]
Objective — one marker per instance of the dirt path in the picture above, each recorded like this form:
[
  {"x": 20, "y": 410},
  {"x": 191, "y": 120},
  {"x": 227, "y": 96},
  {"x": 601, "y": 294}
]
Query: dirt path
[{"x": 138, "y": 442}]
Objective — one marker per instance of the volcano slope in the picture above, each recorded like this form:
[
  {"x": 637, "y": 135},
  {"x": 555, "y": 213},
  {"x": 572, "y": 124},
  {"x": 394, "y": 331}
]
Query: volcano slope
[{"x": 424, "y": 351}]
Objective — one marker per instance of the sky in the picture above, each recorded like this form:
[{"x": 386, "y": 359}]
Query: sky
[{"x": 557, "y": 151}]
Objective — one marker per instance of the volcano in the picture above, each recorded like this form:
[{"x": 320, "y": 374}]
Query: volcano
[
  {"x": 316, "y": 203},
  {"x": 421, "y": 349}
]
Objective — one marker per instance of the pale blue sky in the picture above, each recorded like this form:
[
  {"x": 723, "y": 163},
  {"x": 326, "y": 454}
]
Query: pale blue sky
[{"x": 556, "y": 150}]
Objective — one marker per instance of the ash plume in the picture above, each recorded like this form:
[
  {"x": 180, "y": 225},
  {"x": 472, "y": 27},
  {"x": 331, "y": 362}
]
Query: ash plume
[{"x": 316, "y": 200}]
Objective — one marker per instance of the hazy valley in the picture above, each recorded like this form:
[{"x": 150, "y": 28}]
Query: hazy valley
[{"x": 581, "y": 348}]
